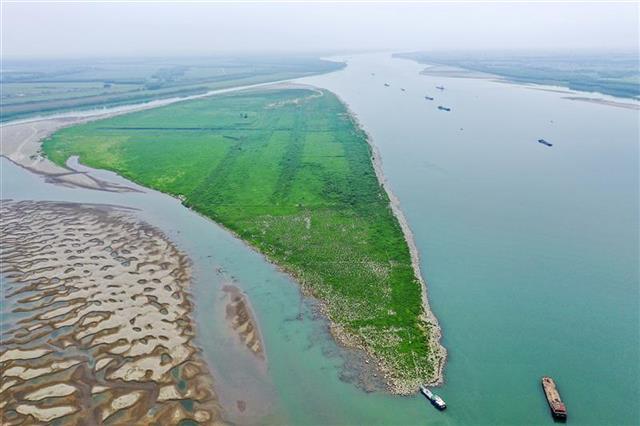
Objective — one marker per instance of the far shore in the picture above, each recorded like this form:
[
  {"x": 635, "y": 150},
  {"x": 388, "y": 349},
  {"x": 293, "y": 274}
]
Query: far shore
[{"x": 592, "y": 97}]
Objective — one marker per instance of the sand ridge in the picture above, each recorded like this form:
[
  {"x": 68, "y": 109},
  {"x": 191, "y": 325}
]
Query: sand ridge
[
  {"x": 99, "y": 328},
  {"x": 242, "y": 320}
]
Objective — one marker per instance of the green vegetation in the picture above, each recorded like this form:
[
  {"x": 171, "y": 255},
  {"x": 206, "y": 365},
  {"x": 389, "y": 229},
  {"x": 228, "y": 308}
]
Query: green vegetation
[
  {"x": 290, "y": 172},
  {"x": 613, "y": 74},
  {"x": 36, "y": 87}
]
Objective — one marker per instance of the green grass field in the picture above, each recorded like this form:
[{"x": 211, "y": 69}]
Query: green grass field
[{"x": 290, "y": 172}]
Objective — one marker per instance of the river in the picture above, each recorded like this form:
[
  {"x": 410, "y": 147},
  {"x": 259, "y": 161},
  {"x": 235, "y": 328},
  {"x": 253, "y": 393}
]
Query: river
[{"x": 530, "y": 255}]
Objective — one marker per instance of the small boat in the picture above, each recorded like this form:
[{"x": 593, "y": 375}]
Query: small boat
[
  {"x": 402, "y": 88},
  {"x": 543, "y": 142},
  {"x": 558, "y": 409},
  {"x": 429, "y": 98},
  {"x": 442, "y": 108},
  {"x": 386, "y": 85},
  {"x": 440, "y": 87},
  {"x": 433, "y": 398}
]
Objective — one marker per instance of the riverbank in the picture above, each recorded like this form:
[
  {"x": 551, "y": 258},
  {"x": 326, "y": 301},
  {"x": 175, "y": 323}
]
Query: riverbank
[
  {"x": 612, "y": 74},
  {"x": 127, "y": 344},
  {"x": 573, "y": 95},
  {"x": 438, "y": 351}
]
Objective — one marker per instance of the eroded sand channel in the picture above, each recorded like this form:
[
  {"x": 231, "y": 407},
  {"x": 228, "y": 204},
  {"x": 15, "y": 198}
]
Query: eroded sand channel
[{"x": 102, "y": 329}]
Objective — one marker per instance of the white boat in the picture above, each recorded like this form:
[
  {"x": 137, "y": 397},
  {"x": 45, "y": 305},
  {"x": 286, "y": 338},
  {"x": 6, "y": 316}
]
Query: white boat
[{"x": 435, "y": 399}]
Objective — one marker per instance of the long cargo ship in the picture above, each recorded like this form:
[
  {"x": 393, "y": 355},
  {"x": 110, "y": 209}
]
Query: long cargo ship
[{"x": 558, "y": 409}]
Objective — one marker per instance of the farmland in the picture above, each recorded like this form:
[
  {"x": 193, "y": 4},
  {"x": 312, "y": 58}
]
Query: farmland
[{"x": 289, "y": 172}]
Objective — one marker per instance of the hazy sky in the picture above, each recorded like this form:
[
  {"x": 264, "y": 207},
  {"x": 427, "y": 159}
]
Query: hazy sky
[{"x": 135, "y": 28}]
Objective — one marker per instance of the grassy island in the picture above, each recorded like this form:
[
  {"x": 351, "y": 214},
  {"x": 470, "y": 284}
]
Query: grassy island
[{"x": 290, "y": 172}]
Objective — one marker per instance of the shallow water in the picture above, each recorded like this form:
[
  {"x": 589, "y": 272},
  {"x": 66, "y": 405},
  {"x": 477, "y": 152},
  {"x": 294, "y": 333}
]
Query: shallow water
[{"x": 530, "y": 254}]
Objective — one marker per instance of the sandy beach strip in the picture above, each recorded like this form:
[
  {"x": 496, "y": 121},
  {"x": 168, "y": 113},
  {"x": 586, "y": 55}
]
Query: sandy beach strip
[
  {"x": 634, "y": 106},
  {"x": 99, "y": 328},
  {"x": 22, "y": 145}
]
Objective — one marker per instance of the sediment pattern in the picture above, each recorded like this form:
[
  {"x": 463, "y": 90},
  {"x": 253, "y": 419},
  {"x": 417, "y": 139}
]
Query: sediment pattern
[
  {"x": 241, "y": 318},
  {"x": 96, "y": 321}
]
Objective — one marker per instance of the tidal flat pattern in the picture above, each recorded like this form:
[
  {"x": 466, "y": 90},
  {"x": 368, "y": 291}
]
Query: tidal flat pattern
[{"x": 96, "y": 321}]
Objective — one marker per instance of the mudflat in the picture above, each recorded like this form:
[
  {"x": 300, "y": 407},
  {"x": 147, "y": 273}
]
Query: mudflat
[{"x": 97, "y": 320}]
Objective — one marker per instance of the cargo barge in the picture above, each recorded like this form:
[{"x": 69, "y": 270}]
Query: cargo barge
[
  {"x": 543, "y": 142},
  {"x": 443, "y": 108},
  {"x": 558, "y": 409}
]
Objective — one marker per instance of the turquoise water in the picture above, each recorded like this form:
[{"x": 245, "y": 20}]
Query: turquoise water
[{"x": 530, "y": 254}]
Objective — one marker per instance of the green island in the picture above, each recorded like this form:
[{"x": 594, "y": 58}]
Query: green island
[{"x": 289, "y": 171}]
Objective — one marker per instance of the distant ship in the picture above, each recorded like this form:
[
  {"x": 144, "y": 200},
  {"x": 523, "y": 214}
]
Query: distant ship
[
  {"x": 440, "y": 87},
  {"x": 429, "y": 98},
  {"x": 543, "y": 142},
  {"x": 435, "y": 399},
  {"x": 442, "y": 108},
  {"x": 402, "y": 88},
  {"x": 386, "y": 84},
  {"x": 558, "y": 409}
]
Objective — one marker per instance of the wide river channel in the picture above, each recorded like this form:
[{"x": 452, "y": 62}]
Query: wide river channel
[{"x": 530, "y": 254}]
